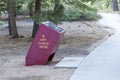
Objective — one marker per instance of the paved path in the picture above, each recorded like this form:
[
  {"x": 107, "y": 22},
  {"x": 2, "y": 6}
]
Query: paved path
[{"x": 103, "y": 63}]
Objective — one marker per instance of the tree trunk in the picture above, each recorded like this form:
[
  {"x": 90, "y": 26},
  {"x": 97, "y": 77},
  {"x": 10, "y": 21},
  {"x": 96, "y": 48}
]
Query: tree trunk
[
  {"x": 37, "y": 10},
  {"x": 56, "y": 11},
  {"x": 115, "y": 5},
  {"x": 9, "y": 27},
  {"x": 12, "y": 23},
  {"x": 31, "y": 9}
]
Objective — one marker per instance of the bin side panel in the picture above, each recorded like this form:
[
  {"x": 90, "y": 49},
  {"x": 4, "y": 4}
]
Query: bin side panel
[{"x": 58, "y": 42}]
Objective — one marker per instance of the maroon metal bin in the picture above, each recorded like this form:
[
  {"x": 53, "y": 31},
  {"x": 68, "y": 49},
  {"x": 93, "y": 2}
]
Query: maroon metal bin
[{"x": 45, "y": 44}]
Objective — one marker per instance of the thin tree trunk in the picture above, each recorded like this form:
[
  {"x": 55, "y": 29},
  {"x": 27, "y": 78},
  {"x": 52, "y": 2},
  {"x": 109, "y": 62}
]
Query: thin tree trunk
[
  {"x": 31, "y": 9},
  {"x": 12, "y": 23},
  {"x": 115, "y": 5},
  {"x": 9, "y": 27},
  {"x": 56, "y": 11},
  {"x": 37, "y": 10}
]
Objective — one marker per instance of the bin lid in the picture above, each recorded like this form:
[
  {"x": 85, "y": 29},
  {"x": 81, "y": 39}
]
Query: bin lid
[{"x": 53, "y": 26}]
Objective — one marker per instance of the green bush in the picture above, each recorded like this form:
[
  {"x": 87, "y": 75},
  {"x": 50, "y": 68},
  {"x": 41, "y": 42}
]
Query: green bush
[
  {"x": 76, "y": 14},
  {"x": 70, "y": 15},
  {"x": 89, "y": 16},
  {"x": 67, "y": 13}
]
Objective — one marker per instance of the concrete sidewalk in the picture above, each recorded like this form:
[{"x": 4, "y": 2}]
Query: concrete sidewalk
[{"x": 103, "y": 63}]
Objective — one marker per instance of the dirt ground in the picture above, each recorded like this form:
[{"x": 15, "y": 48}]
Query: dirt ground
[{"x": 80, "y": 39}]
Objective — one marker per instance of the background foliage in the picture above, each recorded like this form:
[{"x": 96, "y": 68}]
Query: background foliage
[{"x": 70, "y": 9}]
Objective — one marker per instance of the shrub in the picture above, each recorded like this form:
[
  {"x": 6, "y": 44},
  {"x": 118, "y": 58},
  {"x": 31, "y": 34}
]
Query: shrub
[{"x": 76, "y": 14}]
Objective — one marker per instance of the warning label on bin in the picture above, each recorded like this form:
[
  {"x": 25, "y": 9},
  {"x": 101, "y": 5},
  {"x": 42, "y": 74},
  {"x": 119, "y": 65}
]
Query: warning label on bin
[{"x": 43, "y": 43}]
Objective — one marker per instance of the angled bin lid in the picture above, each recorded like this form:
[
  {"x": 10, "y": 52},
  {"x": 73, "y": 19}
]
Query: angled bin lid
[{"x": 53, "y": 26}]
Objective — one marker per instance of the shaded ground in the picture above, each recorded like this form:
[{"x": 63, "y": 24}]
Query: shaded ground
[{"x": 80, "y": 39}]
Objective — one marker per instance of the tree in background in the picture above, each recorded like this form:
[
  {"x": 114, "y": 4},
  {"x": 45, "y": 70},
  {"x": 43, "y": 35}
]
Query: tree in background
[
  {"x": 37, "y": 14},
  {"x": 108, "y": 5},
  {"x": 115, "y": 5},
  {"x": 30, "y": 7},
  {"x": 58, "y": 11},
  {"x": 12, "y": 23},
  {"x": 17, "y": 3}
]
